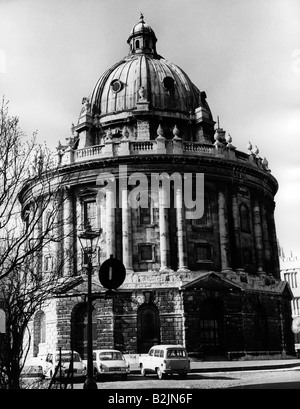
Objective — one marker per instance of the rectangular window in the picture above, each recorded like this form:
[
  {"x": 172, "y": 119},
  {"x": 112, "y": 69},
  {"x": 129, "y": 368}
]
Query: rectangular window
[
  {"x": 209, "y": 332},
  {"x": 90, "y": 214},
  {"x": 205, "y": 220},
  {"x": 203, "y": 252},
  {"x": 48, "y": 263},
  {"x": 146, "y": 252},
  {"x": 48, "y": 220}
]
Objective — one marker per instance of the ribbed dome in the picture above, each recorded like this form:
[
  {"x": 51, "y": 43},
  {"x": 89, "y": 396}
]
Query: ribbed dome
[
  {"x": 145, "y": 75},
  {"x": 166, "y": 86}
]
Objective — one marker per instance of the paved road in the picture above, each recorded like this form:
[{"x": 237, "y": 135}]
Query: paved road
[{"x": 288, "y": 378}]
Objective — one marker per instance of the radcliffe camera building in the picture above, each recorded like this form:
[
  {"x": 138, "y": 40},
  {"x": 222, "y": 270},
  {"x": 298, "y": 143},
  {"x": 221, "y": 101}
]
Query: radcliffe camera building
[{"x": 210, "y": 283}]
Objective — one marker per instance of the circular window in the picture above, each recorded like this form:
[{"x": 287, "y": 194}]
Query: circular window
[
  {"x": 168, "y": 83},
  {"x": 116, "y": 85}
]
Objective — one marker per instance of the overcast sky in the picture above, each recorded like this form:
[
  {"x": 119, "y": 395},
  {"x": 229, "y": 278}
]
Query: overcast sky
[{"x": 245, "y": 54}]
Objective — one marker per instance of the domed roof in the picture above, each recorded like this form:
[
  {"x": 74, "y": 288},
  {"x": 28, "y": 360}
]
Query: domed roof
[
  {"x": 144, "y": 75},
  {"x": 141, "y": 27}
]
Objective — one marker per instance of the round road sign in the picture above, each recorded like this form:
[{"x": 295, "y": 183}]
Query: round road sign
[{"x": 112, "y": 273}]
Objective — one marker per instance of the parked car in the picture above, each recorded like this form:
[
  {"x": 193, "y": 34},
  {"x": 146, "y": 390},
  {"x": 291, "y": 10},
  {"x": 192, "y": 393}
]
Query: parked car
[
  {"x": 32, "y": 371},
  {"x": 110, "y": 362},
  {"x": 52, "y": 360},
  {"x": 165, "y": 359}
]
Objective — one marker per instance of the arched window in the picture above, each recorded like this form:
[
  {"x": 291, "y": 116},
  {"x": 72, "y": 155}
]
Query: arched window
[
  {"x": 79, "y": 329},
  {"x": 39, "y": 327},
  {"x": 244, "y": 218},
  {"x": 137, "y": 44}
]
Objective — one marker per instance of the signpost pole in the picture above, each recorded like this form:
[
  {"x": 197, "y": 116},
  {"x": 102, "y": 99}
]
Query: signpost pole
[{"x": 90, "y": 382}]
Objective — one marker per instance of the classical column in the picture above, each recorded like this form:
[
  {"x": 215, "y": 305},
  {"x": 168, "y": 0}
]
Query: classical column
[
  {"x": 126, "y": 231},
  {"x": 258, "y": 237},
  {"x": 59, "y": 230},
  {"x": 223, "y": 229},
  {"x": 163, "y": 230},
  {"x": 110, "y": 224},
  {"x": 238, "y": 257},
  {"x": 37, "y": 236},
  {"x": 181, "y": 235},
  {"x": 68, "y": 232},
  {"x": 266, "y": 241},
  {"x": 274, "y": 243}
]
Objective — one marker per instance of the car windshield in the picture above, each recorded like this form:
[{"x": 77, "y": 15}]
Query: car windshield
[
  {"x": 175, "y": 353},
  {"x": 67, "y": 357},
  {"x": 108, "y": 356}
]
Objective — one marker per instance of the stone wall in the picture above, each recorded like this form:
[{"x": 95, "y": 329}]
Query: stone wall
[{"x": 244, "y": 321}]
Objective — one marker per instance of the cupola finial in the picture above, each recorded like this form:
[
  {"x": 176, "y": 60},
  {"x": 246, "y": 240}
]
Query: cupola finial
[{"x": 142, "y": 38}]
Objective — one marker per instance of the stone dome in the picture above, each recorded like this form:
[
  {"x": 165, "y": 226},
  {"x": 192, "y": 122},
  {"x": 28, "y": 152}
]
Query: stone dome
[{"x": 145, "y": 76}]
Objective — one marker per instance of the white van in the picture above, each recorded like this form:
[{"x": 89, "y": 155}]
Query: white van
[
  {"x": 52, "y": 360},
  {"x": 164, "y": 360}
]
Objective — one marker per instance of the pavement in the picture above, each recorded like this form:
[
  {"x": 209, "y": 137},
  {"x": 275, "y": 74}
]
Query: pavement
[{"x": 227, "y": 366}]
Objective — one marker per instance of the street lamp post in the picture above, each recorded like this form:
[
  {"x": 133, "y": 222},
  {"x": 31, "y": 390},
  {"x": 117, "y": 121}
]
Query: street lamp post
[{"x": 89, "y": 246}]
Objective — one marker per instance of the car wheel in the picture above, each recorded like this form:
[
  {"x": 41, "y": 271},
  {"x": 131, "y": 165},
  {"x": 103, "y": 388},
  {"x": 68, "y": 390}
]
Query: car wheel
[
  {"x": 159, "y": 373},
  {"x": 143, "y": 372}
]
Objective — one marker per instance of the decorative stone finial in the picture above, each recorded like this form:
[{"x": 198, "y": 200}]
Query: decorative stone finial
[
  {"x": 176, "y": 132},
  {"x": 218, "y": 144},
  {"x": 219, "y": 136},
  {"x": 142, "y": 18},
  {"x": 249, "y": 147},
  {"x": 229, "y": 140},
  {"x": 216, "y": 135},
  {"x": 265, "y": 163},
  {"x": 255, "y": 150},
  {"x": 160, "y": 131}
]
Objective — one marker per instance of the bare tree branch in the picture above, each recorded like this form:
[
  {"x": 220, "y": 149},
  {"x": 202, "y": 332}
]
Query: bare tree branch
[{"x": 31, "y": 226}]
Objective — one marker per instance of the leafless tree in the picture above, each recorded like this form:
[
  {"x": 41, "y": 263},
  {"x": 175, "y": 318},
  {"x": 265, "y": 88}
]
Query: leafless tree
[
  {"x": 24, "y": 292},
  {"x": 31, "y": 224},
  {"x": 28, "y": 227}
]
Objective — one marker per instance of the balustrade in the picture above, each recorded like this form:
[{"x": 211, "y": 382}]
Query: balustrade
[
  {"x": 89, "y": 152},
  {"x": 142, "y": 146},
  {"x": 198, "y": 147}
]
